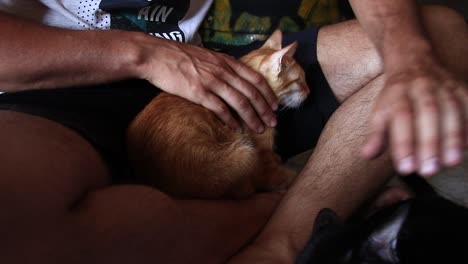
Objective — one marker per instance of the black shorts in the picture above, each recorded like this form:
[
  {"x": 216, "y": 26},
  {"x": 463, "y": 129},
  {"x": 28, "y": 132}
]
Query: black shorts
[{"x": 102, "y": 113}]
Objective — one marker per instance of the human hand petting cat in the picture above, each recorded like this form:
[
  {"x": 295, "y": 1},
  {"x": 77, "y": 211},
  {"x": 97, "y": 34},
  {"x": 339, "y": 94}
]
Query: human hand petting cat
[
  {"x": 424, "y": 112},
  {"x": 211, "y": 79}
]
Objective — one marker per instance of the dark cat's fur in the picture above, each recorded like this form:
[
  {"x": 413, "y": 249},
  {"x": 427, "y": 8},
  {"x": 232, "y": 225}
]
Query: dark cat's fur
[
  {"x": 186, "y": 151},
  {"x": 426, "y": 229}
]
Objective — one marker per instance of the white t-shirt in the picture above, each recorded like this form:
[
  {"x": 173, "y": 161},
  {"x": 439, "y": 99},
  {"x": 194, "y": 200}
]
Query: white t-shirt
[{"x": 172, "y": 19}]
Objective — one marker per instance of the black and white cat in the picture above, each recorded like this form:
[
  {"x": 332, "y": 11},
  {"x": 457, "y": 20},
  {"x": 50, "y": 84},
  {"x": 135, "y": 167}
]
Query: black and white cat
[{"x": 425, "y": 229}]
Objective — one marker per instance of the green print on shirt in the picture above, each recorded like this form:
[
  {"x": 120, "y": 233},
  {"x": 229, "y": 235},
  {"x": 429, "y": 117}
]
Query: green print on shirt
[{"x": 239, "y": 22}]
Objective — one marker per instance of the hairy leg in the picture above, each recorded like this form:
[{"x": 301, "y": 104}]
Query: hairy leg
[
  {"x": 335, "y": 176},
  {"x": 59, "y": 207}
]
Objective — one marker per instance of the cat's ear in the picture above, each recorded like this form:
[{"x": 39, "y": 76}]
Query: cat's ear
[
  {"x": 277, "y": 57},
  {"x": 290, "y": 49},
  {"x": 274, "y": 41}
]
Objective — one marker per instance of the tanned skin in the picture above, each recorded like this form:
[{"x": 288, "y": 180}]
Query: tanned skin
[
  {"x": 422, "y": 108},
  {"x": 56, "y": 188},
  {"x": 416, "y": 102},
  {"x": 36, "y": 56}
]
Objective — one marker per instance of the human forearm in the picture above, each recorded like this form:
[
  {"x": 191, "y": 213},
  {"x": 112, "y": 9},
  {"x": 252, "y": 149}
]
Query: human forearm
[
  {"x": 395, "y": 28},
  {"x": 420, "y": 112},
  {"x": 36, "y": 56}
]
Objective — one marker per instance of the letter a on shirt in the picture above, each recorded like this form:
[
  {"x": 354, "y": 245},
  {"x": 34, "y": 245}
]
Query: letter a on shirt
[{"x": 168, "y": 19}]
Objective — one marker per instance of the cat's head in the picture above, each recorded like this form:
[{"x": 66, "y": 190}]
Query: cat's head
[{"x": 279, "y": 68}]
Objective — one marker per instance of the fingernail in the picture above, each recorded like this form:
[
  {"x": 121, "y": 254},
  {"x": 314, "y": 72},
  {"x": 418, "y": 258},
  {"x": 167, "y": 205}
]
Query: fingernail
[
  {"x": 274, "y": 106},
  {"x": 453, "y": 156},
  {"x": 260, "y": 129},
  {"x": 273, "y": 121},
  {"x": 429, "y": 167},
  {"x": 406, "y": 165}
]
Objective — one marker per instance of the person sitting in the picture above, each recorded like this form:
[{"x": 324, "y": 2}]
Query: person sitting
[{"x": 387, "y": 87}]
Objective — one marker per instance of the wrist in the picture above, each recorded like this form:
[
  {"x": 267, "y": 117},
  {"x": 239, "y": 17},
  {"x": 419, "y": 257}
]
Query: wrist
[
  {"x": 416, "y": 54},
  {"x": 127, "y": 53}
]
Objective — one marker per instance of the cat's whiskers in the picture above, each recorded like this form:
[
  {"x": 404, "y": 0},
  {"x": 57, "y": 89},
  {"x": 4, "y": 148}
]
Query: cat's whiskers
[{"x": 282, "y": 107}]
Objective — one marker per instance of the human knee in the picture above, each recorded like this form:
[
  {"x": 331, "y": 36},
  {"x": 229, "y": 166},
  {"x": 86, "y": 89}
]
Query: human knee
[{"x": 42, "y": 174}]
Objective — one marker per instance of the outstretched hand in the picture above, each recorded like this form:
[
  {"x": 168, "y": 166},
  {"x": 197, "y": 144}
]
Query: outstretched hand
[
  {"x": 423, "y": 111},
  {"x": 213, "y": 80}
]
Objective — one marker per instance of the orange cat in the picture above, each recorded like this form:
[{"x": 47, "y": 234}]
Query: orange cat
[{"x": 186, "y": 151}]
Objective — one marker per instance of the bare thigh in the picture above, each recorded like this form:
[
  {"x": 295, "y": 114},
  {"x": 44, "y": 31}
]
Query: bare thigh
[
  {"x": 45, "y": 169},
  {"x": 57, "y": 206}
]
